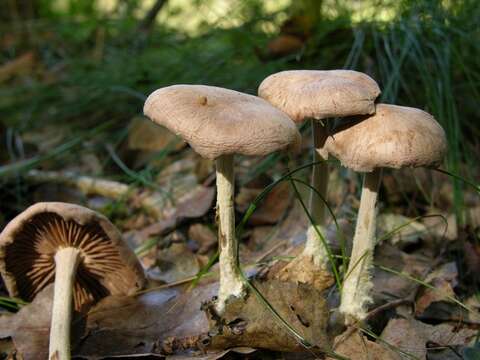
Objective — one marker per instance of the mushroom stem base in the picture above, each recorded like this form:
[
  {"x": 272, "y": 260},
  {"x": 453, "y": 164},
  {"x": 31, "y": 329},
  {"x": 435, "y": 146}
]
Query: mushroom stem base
[
  {"x": 66, "y": 263},
  {"x": 314, "y": 247},
  {"x": 231, "y": 283},
  {"x": 357, "y": 285}
]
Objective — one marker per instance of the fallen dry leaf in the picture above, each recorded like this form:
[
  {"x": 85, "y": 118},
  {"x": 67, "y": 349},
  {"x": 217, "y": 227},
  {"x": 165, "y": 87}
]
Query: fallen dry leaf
[
  {"x": 402, "y": 234},
  {"x": 412, "y": 336},
  {"x": 358, "y": 347},
  {"x": 22, "y": 65},
  {"x": 192, "y": 205},
  {"x": 438, "y": 229},
  {"x": 389, "y": 286},
  {"x": 171, "y": 322},
  {"x": 175, "y": 263},
  {"x": 444, "y": 279},
  {"x": 473, "y": 216},
  {"x": 273, "y": 207},
  {"x": 29, "y": 328},
  {"x": 145, "y": 135},
  {"x": 203, "y": 236},
  {"x": 251, "y": 323}
]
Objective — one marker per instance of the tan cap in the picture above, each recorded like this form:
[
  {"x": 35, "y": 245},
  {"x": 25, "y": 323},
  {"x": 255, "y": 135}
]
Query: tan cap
[
  {"x": 29, "y": 242},
  {"x": 395, "y": 137},
  {"x": 217, "y": 121},
  {"x": 320, "y": 94}
]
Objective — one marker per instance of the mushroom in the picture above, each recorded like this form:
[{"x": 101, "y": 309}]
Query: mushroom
[
  {"x": 318, "y": 95},
  {"x": 74, "y": 247},
  {"x": 395, "y": 137},
  {"x": 218, "y": 123}
]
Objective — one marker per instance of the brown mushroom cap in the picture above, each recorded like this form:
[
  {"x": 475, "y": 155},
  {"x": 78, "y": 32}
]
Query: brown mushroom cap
[
  {"x": 395, "y": 137},
  {"x": 320, "y": 94},
  {"x": 217, "y": 121},
  {"x": 30, "y": 241}
]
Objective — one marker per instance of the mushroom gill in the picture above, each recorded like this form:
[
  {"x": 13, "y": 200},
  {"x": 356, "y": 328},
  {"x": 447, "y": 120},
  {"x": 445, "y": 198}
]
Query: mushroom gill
[{"x": 30, "y": 258}]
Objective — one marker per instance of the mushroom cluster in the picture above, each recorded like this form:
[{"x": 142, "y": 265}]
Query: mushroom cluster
[
  {"x": 83, "y": 254},
  {"x": 365, "y": 137}
]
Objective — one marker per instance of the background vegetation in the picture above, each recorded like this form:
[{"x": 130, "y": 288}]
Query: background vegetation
[{"x": 90, "y": 64}]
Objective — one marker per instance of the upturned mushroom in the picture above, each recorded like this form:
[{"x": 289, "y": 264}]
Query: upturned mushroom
[
  {"x": 77, "y": 249},
  {"x": 395, "y": 137},
  {"x": 319, "y": 95},
  {"x": 218, "y": 123}
]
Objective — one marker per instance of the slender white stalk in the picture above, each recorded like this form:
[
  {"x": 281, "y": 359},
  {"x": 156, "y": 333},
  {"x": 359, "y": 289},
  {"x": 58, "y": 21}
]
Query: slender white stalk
[
  {"x": 66, "y": 262},
  {"x": 314, "y": 247},
  {"x": 358, "y": 284},
  {"x": 231, "y": 283}
]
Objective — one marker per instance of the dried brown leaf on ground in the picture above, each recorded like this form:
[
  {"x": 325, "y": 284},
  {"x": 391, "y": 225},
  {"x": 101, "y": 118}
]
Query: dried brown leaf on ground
[
  {"x": 174, "y": 263},
  {"x": 29, "y": 328},
  {"x": 414, "y": 337},
  {"x": 403, "y": 231},
  {"x": 171, "y": 322},
  {"x": 203, "y": 237},
  {"x": 213, "y": 355},
  {"x": 145, "y": 135},
  {"x": 251, "y": 323},
  {"x": 358, "y": 347},
  {"x": 390, "y": 286},
  {"x": 22, "y": 65},
  {"x": 273, "y": 206},
  {"x": 444, "y": 280},
  {"x": 473, "y": 216},
  {"x": 441, "y": 227},
  {"x": 471, "y": 252},
  {"x": 192, "y": 205},
  {"x": 7, "y": 349}
]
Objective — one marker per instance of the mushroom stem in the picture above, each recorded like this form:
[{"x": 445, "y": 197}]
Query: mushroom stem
[
  {"x": 231, "y": 283},
  {"x": 66, "y": 262},
  {"x": 314, "y": 248},
  {"x": 357, "y": 284}
]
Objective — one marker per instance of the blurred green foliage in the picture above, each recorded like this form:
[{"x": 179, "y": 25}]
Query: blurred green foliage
[{"x": 95, "y": 66}]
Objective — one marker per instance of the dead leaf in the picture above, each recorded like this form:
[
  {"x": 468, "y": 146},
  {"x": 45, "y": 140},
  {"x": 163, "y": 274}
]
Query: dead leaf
[
  {"x": 194, "y": 204},
  {"x": 403, "y": 234},
  {"x": 7, "y": 349},
  {"x": 358, "y": 347},
  {"x": 171, "y": 322},
  {"x": 29, "y": 328},
  {"x": 212, "y": 355},
  {"x": 245, "y": 197},
  {"x": 203, "y": 236},
  {"x": 389, "y": 286},
  {"x": 175, "y": 263},
  {"x": 273, "y": 206},
  {"x": 250, "y": 323},
  {"x": 444, "y": 279},
  {"x": 473, "y": 216},
  {"x": 22, "y": 65},
  {"x": 412, "y": 336},
  {"x": 472, "y": 257},
  {"x": 145, "y": 135},
  {"x": 437, "y": 227}
]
